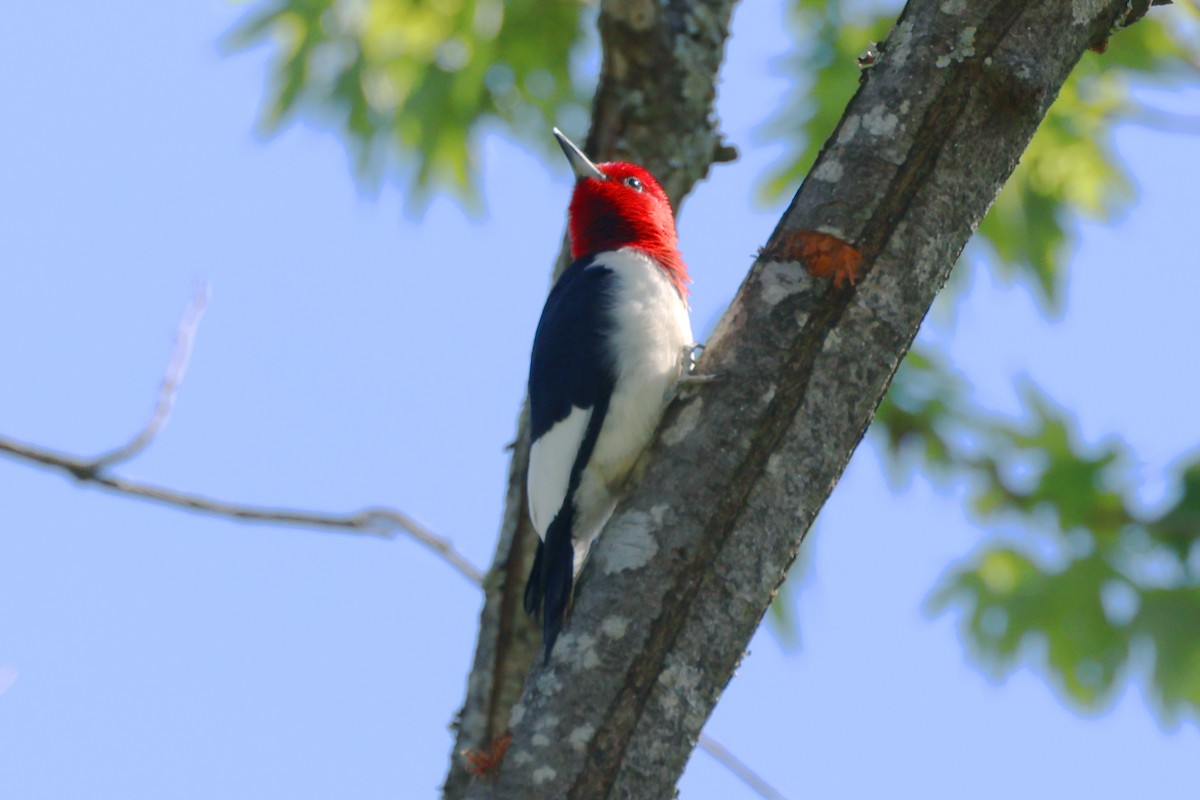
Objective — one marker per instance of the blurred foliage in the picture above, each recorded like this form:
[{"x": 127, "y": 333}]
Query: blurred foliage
[
  {"x": 1077, "y": 580},
  {"x": 1082, "y": 584},
  {"x": 409, "y": 84},
  {"x": 1087, "y": 588},
  {"x": 1069, "y": 168}
]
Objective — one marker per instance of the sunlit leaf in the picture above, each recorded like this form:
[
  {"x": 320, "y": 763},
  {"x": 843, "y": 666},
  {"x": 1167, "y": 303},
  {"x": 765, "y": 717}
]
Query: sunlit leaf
[
  {"x": 1090, "y": 578},
  {"x": 409, "y": 85}
]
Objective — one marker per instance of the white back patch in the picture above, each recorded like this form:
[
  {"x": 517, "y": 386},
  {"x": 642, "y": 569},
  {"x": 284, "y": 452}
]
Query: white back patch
[{"x": 550, "y": 462}]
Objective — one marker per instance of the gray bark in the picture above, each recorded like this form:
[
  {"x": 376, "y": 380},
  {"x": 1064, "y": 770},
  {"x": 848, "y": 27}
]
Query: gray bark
[{"x": 686, "y": 568}]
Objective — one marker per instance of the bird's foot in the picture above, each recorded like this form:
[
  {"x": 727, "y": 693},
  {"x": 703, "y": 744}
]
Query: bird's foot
[{"x": 691, "y": 352}]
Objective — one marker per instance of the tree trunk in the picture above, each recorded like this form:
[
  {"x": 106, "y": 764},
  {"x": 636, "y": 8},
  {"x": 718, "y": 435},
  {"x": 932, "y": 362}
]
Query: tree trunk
[{"x": 687, "y": 566}]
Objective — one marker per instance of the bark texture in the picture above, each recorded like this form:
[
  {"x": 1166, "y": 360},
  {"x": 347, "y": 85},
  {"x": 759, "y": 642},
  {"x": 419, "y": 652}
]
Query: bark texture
[
  {"x": 654, "y": 106},
  {"x": 680, "y": 579}
]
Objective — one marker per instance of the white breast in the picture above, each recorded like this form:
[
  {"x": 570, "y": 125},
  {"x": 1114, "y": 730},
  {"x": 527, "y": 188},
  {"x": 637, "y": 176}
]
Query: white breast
[
  {"x": 651, "y": 333},
  {"x": 650, "y": 338}
]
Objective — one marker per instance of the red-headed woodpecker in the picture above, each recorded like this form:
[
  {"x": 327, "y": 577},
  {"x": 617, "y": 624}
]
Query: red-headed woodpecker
[{"x": 613, "y": 341}]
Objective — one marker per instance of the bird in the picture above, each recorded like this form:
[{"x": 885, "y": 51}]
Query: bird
[{"x": 612, "y": 344}]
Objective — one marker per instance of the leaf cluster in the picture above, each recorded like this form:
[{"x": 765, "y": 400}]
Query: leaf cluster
[
  {"x": 1080, "y": 581},
  {"x": 409, "y": 84}
]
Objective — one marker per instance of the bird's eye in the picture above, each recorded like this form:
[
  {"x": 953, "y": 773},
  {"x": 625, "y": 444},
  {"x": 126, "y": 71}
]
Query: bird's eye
[{"x": 633, "y": 183}]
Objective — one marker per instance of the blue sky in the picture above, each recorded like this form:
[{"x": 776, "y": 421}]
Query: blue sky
[{"x": 352, "y": 356}]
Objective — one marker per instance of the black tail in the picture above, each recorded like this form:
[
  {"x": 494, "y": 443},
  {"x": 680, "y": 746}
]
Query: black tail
[
  {"x": 557, "y": 577},
  {"x": 534, "y": 591},
  {"x": 552, "y": 579}
]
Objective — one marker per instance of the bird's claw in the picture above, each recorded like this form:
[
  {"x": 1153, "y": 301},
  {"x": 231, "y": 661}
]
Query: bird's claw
[
  {"x": 689, "y": 377},
  {"x": 691, "y": 352}
]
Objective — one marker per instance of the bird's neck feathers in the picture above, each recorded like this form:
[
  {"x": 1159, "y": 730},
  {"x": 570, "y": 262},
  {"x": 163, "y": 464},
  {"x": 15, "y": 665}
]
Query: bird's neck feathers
[{"x": 609, "y": 215}]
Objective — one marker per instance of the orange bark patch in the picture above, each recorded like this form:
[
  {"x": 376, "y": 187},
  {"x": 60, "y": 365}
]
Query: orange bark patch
[
  {"x": 485, "y": 763},
  {"x": 823, "y": 255}
]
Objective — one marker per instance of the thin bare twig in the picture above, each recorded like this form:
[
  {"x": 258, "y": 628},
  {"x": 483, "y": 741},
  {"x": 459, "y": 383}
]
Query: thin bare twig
[
  {"x": 381, "y": 522},
  {"x": 739, "y": 768},
  {"x": 1159, "y": 120},
  {"x": 181, "y": 354}
]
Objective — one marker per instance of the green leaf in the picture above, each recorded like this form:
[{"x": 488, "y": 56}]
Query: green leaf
[
  {"x": 1170, "y": 618},
  {"x": 1019, "y": 609},
  {"x": 1104, "y": 578},
  {"x": 409, "y": 86},
  {"x": 1178, "y": 528},
  {"x": 825, "y": 76}
]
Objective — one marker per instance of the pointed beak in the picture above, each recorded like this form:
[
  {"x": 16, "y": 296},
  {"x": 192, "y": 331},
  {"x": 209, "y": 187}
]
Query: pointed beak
[{"x": 581, "y": 164}]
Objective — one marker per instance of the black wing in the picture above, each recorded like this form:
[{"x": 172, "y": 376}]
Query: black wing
[{"x": 571, "y": 367}]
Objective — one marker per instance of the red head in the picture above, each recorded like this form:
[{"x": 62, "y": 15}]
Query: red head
[{"x": 617, "y": 205}]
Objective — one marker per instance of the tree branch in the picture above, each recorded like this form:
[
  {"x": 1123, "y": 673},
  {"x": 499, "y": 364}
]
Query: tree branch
[
  {"x": 96, "y": 472},
  {"x": 687, "y": 566},
  {"x": 381, "y": 522},
  {"x": 739, "y": 768}
]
